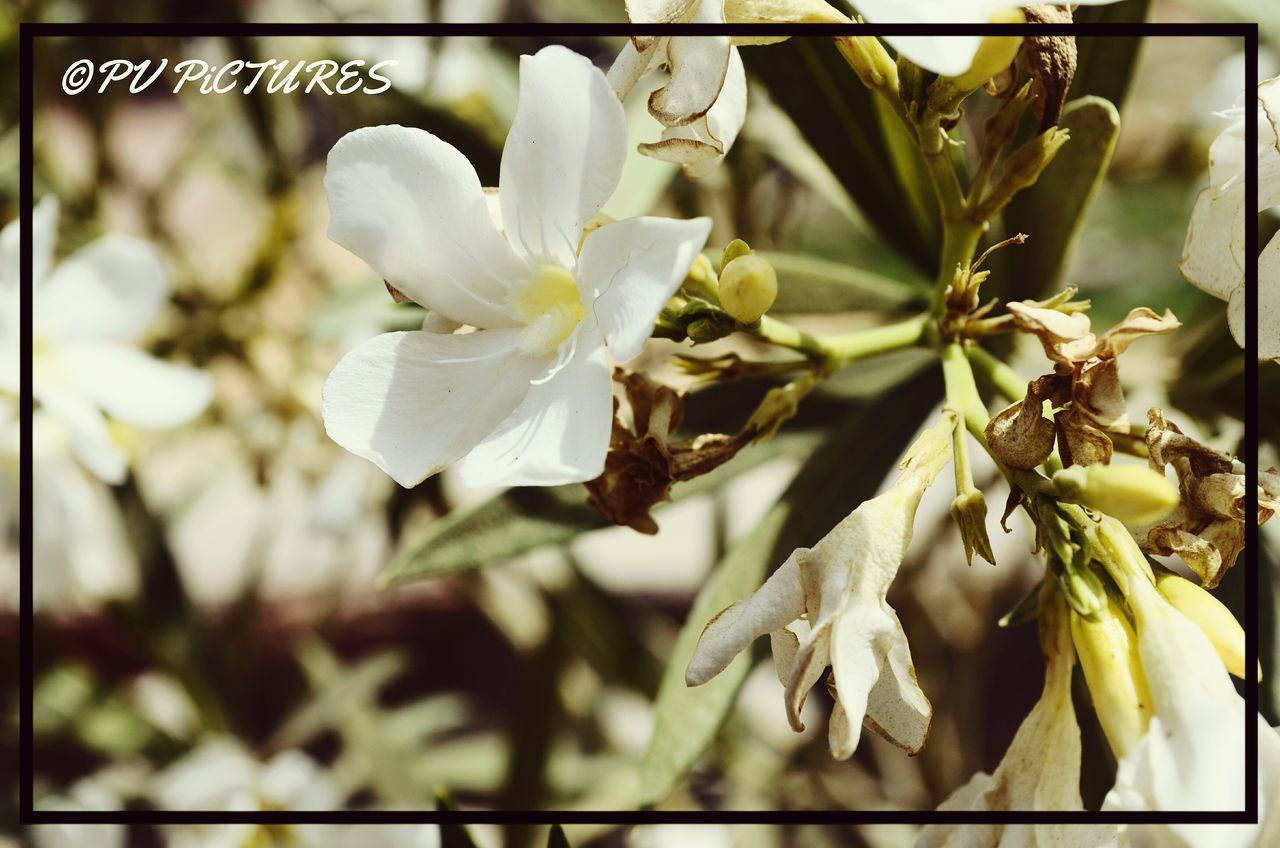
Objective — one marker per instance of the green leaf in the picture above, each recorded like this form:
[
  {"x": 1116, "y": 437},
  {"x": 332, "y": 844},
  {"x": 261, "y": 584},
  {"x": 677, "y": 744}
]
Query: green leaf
[
  {"x": 839, "y": 119},
  {"x": 808, "y": 283},
  {"x": 452, "y": 835},
  {"x": 556, "y": 838},
  {"x": 844, "y": 471},
  {"x": 1052, "y": 210},
  {"x": 522, "y": 520},
  {"x": 1105, "y": 64}
]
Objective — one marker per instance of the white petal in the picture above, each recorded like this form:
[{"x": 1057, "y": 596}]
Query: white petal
[
  {"x": 44, "y": 235},
  {"x": 949, "y": 55},
  {"x": 411, "y": 206},
  {"x": 771, "y": 607},
  {"x": 701, "y": 145},
  {"x": 133, "y": 387},
  {"x": 563, "y": 156},
  {"x": 630, "y": 269},
  {"x": 558, "y": 434},
  {"x": 897, "y": 707},
  {"x": 630, "y": 66},
  {"x": 414, "y": 402},
  {"x": 856, "y": 667},
  {"x": 1210, "y": 261},
  {"x": 698, "y": 67},
  {"x": 87, "y": 430},
  {"x": 111, "y": 289},
  {"x": 1192, "y": 756},
  {"x": 1268, "y": 304},
  {"x": 81, "y": 545}
]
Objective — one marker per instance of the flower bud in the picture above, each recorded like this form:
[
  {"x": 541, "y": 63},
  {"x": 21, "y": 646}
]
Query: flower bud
[
  {"x": 733, "y": 250},
  {"x": 1084, "y": 590},
  {"x": 748, "y": 287},
  {"x": 869, "y": 60},
  {"x": 1024, "y": 167},
  {"x": 701, "y": 279},
  {"x": 1108, "y": 653},
  {"x": 1217, "y": 622},
  {"x": 1135, "y": 494},
  {"x": 969, "y": 512},
  {"x": 994, "y": 55}
]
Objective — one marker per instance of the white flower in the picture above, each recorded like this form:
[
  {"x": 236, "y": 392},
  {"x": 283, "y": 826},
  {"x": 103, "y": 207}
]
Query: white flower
[
  {"x": 220, "y": 775},
  {"x": 704, "y": 103},
  {"x": 948, "y": 55},
  {"x": 94, "y": 794},
  {"x": 1039, "y": 771},
  {"x": 88, "y": 316},
  {"x": 1213, "y": 257},
  {"x": 1192, "y": 756},
  {"x": 840, "y": 586},
  {"x": 526, "y": 399}
]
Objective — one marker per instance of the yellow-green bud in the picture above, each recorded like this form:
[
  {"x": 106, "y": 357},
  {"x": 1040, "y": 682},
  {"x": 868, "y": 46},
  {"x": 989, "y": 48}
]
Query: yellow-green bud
[
  {"x": 994, "y": 55},
  {"x": 1108, "y": 653},
  {"x": 870, "y": 61},
  {"x": 748, "y": 287},
  {"x": 733, "y": 250},
  {"x": 701, "y": 279},
  {"x": 1135, "y": 494},
  {"x": 1084, "y": 590},
  {"x": 1210, "y": 616}
]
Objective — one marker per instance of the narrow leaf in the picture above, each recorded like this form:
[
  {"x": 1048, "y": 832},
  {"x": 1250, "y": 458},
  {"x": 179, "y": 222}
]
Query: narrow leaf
[
  {"x": 1105, "y": 64},
  {"x": 1051, "y": 211},
  {"x": 522, "y": 520},
  {"x": 838, "y": 117},
  {"x": 556, "y": 838},
  {"x": 808, "y": 283},
  {"x": 844, "y": 471}
]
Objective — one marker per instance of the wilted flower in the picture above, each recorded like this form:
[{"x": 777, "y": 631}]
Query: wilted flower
[
  {"x": 1084, "y": 390},
  {"x": 643, "y": 464},
  {"x": 527, "y": 398},
  {"x": 1213, "y": 257},
  {"x": 839, "y": 587},
  {"x": 704, "y": 102},
  {"x": 88, "y": 315},
  {"x": 1040, "y": 770},
  {"x": 1207, "y": 529}
]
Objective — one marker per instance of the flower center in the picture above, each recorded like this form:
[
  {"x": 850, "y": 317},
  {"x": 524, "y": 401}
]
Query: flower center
[{"x": 551, "y": 308}]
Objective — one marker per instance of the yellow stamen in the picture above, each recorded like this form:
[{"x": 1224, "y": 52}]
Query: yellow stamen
[{"x": 551, "y": 307}]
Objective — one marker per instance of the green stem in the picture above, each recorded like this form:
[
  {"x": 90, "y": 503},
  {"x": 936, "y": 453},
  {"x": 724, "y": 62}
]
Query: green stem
[
  {"x": 1003, "y": 378},
  {"x": 962, "y": 395},
  {"x": 962, "y": 391},
  {"x": 838, "y": 351}
]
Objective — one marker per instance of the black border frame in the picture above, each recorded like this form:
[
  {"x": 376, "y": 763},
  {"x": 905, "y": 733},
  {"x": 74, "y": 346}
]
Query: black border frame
[{"x": 29, "y": 815}]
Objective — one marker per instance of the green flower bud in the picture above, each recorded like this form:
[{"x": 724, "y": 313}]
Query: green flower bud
[
  {"x": 870, "y": 61},
  {"x": 1135, "y": 494},
  {"x": 1210, "y": 616},
  {"x": 1084, "y": 590},
  {"x": 748, "y": 287},
  {"x": 1108, "y": 653},
  {"x": 732, "y": 251},
  {"x": 701, "y": 279}
]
